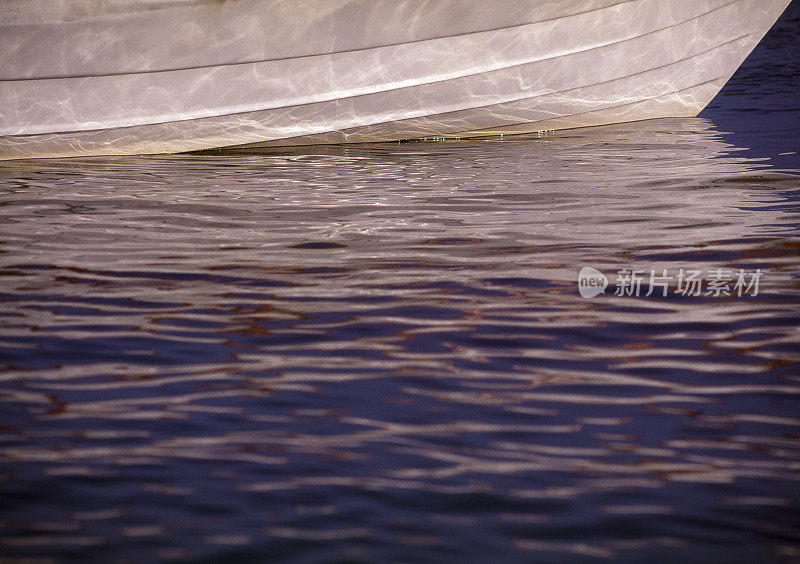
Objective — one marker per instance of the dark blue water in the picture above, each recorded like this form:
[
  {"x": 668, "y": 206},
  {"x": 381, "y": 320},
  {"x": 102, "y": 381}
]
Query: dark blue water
[
  {"x": 758, "y": 111},
  {"x": 380, "y": 353}
]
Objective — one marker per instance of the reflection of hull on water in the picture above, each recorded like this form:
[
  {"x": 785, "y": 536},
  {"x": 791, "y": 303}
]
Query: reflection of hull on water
[
  {"x": 153, "y": 76},
  {"x": 583, "y": 196}
]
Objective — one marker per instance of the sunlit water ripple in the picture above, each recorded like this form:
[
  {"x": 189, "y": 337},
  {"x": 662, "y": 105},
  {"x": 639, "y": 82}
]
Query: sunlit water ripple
[{"x": 379, "y": 353}]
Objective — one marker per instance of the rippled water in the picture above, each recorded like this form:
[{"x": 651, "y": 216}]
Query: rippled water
[{"x": 380, "y": 353}]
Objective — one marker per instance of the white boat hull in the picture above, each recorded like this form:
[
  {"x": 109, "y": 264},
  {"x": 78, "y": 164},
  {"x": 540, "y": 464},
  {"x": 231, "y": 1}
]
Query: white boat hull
[{"x": 159, "y": 76}]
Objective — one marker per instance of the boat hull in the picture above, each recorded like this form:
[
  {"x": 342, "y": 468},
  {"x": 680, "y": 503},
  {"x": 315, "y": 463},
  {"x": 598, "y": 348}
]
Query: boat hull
[{"x": 158, "y": 76}]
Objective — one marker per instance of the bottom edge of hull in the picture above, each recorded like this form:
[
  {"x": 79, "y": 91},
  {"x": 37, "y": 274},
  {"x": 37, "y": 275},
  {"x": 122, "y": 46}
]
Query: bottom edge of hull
[{"x": 179, "y": 137}]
